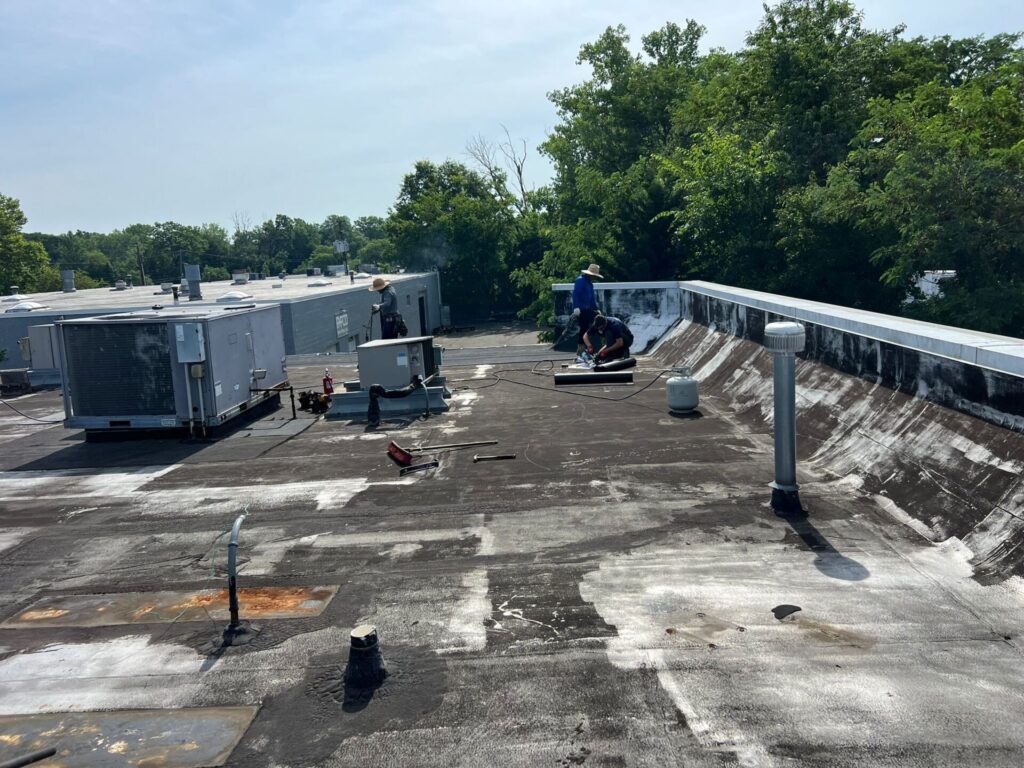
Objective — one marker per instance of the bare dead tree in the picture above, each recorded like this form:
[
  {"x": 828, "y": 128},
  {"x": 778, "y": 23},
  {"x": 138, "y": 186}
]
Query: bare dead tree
[
  {"x": 485, "y": 155},
  {"x": 241, "y": 221},
  {"x": 516, "y": 160}
]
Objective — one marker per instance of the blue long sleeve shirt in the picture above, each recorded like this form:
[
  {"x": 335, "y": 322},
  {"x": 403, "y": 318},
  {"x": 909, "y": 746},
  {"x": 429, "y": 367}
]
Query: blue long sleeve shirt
[{"x": 583, "y": 294}]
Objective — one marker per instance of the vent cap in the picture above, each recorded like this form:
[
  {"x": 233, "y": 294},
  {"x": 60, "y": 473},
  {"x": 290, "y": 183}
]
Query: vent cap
[{"x": 786, "y": 338}]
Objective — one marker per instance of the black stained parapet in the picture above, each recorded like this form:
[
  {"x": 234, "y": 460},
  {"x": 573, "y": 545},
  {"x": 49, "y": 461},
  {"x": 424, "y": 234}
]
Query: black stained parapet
[{"x": 988, "y": 394}]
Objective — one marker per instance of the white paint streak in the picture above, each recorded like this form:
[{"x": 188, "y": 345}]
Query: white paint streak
[
  {"x": 898, "y": 514},
  {"x": 10, "y": 537},
  {"x": 55, "y": 484},
  {"x": 466, "y": 630}
]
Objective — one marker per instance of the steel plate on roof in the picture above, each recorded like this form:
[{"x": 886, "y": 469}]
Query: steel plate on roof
[
  {"x": 164, "y": 738},
  {"x": 165, "y": 607}
]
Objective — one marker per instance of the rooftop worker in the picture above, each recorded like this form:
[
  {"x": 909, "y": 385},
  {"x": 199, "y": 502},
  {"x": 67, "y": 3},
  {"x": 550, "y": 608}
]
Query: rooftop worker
[
  {"x": 584, "y": 301},
  {"x": 388, "y": 308},
  {"x": 616, "y": 335}
]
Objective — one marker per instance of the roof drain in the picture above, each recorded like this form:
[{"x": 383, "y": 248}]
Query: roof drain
[
  {"x": 236, "y": 633},
  {"x": 784, "y": 340}
]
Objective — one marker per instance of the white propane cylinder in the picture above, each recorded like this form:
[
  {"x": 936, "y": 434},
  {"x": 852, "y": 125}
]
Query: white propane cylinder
[{"x": 682, "y": 391}]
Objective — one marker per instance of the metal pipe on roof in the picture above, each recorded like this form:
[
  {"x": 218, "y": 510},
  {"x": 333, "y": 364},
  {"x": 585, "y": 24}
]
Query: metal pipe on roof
[
  {"x": 232, "y": 576},
  {"x": 784, "y": 340},
  {"x": 31, "y": 757}
]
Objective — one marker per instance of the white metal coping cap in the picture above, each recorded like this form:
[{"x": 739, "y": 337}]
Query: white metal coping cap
[{"x": 785, "y": 337}]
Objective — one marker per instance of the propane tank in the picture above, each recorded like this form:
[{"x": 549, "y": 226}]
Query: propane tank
[{"x": 682, "y": 391}]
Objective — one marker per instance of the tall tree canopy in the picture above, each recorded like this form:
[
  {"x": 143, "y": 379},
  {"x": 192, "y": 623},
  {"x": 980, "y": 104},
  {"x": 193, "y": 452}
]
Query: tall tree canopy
[
  {"x": 22, "y": 263},
  {"x": 450, "y": 218}
]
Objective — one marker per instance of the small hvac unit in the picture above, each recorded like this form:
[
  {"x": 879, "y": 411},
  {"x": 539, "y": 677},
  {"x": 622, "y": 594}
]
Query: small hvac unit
[
  {"x": 393, "y": 362},
  {"x": 168, "y": 369}
]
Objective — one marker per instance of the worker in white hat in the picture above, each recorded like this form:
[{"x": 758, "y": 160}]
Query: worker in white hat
[
  {"x": 387, "y": 308},
  {"x": 584, "y": 302}
]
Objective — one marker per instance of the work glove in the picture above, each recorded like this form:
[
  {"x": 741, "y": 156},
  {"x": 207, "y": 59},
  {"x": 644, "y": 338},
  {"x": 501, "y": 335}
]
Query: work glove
[
  {"x": 576, "y": 312},
  {"x": 601, "y": 354},
  {"x": 376, "y": 307},
  {"x": 590, "y": 350}
]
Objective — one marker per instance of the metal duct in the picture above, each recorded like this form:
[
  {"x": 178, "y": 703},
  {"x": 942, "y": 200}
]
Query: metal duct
[{"x": 192, "y": 274}]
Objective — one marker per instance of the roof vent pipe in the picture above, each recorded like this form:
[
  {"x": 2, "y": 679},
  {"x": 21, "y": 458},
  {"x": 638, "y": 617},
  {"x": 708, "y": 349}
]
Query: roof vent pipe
[
  {"x": 784, "y": 340},
  {"x": 192, "y": 274},
  {"x": 14, "y": 290},
  {"x": 67, "y": 277}
]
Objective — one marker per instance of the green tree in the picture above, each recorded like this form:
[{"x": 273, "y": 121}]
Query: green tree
[
  {"x": 22, "y": 262},
  {"x": 937, "y": 180},
  {"x": 448, "y": 218},
  {"x": 728, "y": 187}
]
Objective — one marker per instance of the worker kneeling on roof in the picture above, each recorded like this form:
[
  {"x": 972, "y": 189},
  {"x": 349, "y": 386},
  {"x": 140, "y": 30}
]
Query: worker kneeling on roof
[{"x": 616, "y": 336}]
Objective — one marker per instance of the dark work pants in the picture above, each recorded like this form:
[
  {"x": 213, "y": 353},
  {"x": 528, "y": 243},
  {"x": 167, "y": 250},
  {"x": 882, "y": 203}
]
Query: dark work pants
[
  {"x": 586, "y": 320},
  {"x": 621, "y": 352},
  {"x": 389, "y": 326}
]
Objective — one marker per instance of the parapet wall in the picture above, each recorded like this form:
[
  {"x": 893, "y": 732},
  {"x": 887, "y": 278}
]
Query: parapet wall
[
  {"x": 975, "y": 373},
  {"x": 649, "y": 309}
]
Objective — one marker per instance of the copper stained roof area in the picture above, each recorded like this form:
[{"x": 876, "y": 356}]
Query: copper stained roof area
[{"x": 621, "y": 593}]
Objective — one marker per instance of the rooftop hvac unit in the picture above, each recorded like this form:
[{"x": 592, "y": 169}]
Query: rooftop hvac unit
[
  {"x": 393, "y": 362},
  {"x": 168, "y": 369}
]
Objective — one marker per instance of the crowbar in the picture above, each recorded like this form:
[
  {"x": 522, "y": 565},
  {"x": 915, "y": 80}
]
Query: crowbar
[
  {"x": 499, "y": 457},
  {"x": 417, "y": 468}
]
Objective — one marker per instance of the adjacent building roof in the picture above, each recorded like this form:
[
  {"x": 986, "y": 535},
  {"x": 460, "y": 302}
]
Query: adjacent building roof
[{"x": 271, "y": 290}]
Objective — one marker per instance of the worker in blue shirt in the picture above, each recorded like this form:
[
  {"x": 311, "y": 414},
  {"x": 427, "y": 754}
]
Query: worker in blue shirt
[
  {"x": 615, "y": 334},
  {"x": 584, "y": 302}
]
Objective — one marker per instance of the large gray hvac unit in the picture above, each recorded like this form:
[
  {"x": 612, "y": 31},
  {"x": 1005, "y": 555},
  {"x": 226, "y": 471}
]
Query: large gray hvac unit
[
  {"x": 392, "y": 363},
  {"x": 168, "y": 369}
]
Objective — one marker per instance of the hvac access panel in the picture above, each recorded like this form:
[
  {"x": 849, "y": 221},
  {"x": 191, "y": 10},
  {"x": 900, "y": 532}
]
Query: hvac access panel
[{"x": 190, "y": 343}]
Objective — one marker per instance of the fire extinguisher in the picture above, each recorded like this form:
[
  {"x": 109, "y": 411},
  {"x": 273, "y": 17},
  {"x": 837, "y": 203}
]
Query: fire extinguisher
[{"x": 328, "y": 383}]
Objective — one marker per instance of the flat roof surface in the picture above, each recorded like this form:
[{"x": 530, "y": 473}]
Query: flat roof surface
[
  {"x": 614, "y": 596},
  {"x": 293, "y": 288}
]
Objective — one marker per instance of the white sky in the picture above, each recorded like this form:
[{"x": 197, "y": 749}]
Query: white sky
[{"x": 114, "y": 112}]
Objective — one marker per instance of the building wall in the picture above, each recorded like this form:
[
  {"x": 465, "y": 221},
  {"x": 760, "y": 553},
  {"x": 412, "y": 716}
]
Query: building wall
[{"x": 309, "y": 324}]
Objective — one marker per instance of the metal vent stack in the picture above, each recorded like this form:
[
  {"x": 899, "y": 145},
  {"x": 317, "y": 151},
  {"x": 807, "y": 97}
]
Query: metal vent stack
[
  {"x": 784, "y": 340},
  {"x": 192, "y": 274}
]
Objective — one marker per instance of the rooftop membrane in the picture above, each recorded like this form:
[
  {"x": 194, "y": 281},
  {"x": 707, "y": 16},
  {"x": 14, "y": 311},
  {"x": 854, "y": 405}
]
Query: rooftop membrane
[{"x": 619, "y": 594}]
